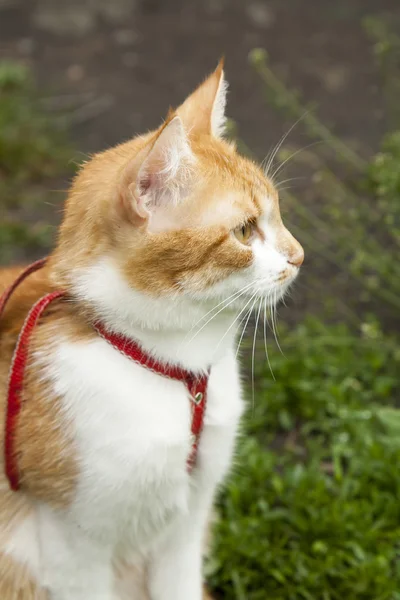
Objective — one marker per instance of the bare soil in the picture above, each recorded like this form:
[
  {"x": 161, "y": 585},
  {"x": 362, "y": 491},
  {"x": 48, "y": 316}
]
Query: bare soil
[{"x": 140, "y": 56}]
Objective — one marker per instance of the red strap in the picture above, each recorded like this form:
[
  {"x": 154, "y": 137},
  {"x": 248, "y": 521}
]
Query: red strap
[
  {"x": 31, "y": 269},
  {"x": 15, "y": 385},
  {"x": 134, "y": 351},
  {"x": 198, "y": 394},
  {"x": 196, "y": 385}
]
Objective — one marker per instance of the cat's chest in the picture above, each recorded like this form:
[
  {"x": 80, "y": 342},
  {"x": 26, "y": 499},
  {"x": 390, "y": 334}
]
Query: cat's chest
[
  {"x": 121, "y": 412},
  {"x": 132, "y": 429}
]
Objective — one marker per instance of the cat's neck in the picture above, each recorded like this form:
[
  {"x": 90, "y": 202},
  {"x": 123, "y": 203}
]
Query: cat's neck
[
  {"x": 171, "y": 329},
  {"x": 193, "y": 350}
]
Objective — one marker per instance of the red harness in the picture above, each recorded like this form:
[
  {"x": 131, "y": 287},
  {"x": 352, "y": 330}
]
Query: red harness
[{"x": 196, "y": 384}]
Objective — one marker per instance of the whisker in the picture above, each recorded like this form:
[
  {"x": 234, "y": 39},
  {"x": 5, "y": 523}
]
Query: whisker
[
  {"x": 253, "y": 355},
  {"x": 265, "y": 339},
  {"x": 279, "y": 144},
  {"x": 235, "y": 295},
  {"x": 246, "y": 316},
  {"x": 271, "y": 155},
  {"x": 292, "y": 156},
  {"x": 234, "y": 321},
  {"x": 245, "y": 326},
  {"x": 285, "y": 187},
  {"x": 280, "y": 183},
  {"x": 216, "y": 314},
  {"x": 241, "y": 335},
  {"x": 273, "y": 322}
]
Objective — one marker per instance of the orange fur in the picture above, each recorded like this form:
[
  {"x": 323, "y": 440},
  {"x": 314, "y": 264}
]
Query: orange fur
[{"x": 16, "y": 583}]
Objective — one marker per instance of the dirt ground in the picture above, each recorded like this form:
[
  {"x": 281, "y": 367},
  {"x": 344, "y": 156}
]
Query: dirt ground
[
  {"x": 140, "y": 56},
  {"x": 126, "y": 61}
]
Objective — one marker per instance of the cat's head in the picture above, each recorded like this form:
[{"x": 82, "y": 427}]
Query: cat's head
[{"x": 176, "y": 216}]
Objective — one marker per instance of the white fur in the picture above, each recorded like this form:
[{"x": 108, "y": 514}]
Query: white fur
[
  {"x": 135, "y": 501},
  {"x": 23, "y": 544},
  {"x": 167, "y": 168},
  {"x": 218, "y": 118}
]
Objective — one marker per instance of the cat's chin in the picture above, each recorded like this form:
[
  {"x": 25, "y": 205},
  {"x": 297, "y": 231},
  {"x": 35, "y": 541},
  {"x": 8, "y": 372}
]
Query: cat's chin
[
  {"x": 280, "y": 292},
  {"x": 272, "y": 296},
  {"x": 276, "y": 292}
]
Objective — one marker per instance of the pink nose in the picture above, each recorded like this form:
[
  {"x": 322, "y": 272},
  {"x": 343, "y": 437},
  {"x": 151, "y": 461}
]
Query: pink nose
[{"x": 297, "y": 259}]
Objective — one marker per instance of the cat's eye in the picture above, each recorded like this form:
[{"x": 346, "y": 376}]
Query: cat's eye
[{"x": 244, "y": 233}]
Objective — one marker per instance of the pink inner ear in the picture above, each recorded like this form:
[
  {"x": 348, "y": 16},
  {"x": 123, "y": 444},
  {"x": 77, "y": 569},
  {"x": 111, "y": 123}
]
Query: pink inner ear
[
  {"x": 132, "y": 200},
  {"x": 145, "y": 184}
]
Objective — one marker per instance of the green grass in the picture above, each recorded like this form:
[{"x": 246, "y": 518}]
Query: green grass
[{"x": 312, "y": 510}]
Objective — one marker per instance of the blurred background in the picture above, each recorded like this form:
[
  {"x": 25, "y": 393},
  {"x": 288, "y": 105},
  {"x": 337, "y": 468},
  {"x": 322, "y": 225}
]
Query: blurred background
[{"x": 312, "y": 510}]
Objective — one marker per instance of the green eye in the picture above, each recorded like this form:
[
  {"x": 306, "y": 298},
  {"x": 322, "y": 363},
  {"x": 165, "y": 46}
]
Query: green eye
[{"x": 244, "y": 233}]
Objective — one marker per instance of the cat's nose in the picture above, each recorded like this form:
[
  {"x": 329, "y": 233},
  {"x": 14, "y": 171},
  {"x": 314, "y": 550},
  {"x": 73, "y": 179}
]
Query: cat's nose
[{"x": 297, "y": 257}]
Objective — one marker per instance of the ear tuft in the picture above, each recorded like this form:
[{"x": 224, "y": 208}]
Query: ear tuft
[
  {"x": 218, "y": 118},
  {"x": 203, "y": 112}
]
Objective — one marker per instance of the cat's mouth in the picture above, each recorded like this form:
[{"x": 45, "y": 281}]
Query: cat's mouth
[
  {"x": 288, "y": 275},
  {"x": 272, "y": 292},
  {"x": 279, "y": 286},
  {"x": 285, "y": 280}
]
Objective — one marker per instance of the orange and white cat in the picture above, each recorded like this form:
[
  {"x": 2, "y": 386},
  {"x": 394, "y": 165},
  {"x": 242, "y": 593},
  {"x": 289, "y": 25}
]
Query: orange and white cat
[{"x": 165, "y": 239}]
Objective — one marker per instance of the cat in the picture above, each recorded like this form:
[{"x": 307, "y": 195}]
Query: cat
[{"x": 165, "y": 240}]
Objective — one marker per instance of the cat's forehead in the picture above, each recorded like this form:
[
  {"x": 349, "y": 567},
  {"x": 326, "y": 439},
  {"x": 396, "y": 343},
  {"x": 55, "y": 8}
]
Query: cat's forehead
[
  {"x": 234, "y": 207},
  {"x": 258, "y": 188},
  {"x": 231, "y": 204},
  {"x": 227, "y": 212},
  {"x": 236, "y": 191}
]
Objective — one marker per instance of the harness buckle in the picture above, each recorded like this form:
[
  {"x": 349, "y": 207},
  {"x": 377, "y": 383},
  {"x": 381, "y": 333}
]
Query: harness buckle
[{"x": 197, "y": 398}]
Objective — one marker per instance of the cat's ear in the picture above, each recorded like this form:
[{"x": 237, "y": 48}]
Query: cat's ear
[
  {"x": 204, "y": 110},
  {"x": 161, "y": 174}
]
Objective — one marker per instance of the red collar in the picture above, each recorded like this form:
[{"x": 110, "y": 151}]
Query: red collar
[{"x": 195, "y": 384}]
